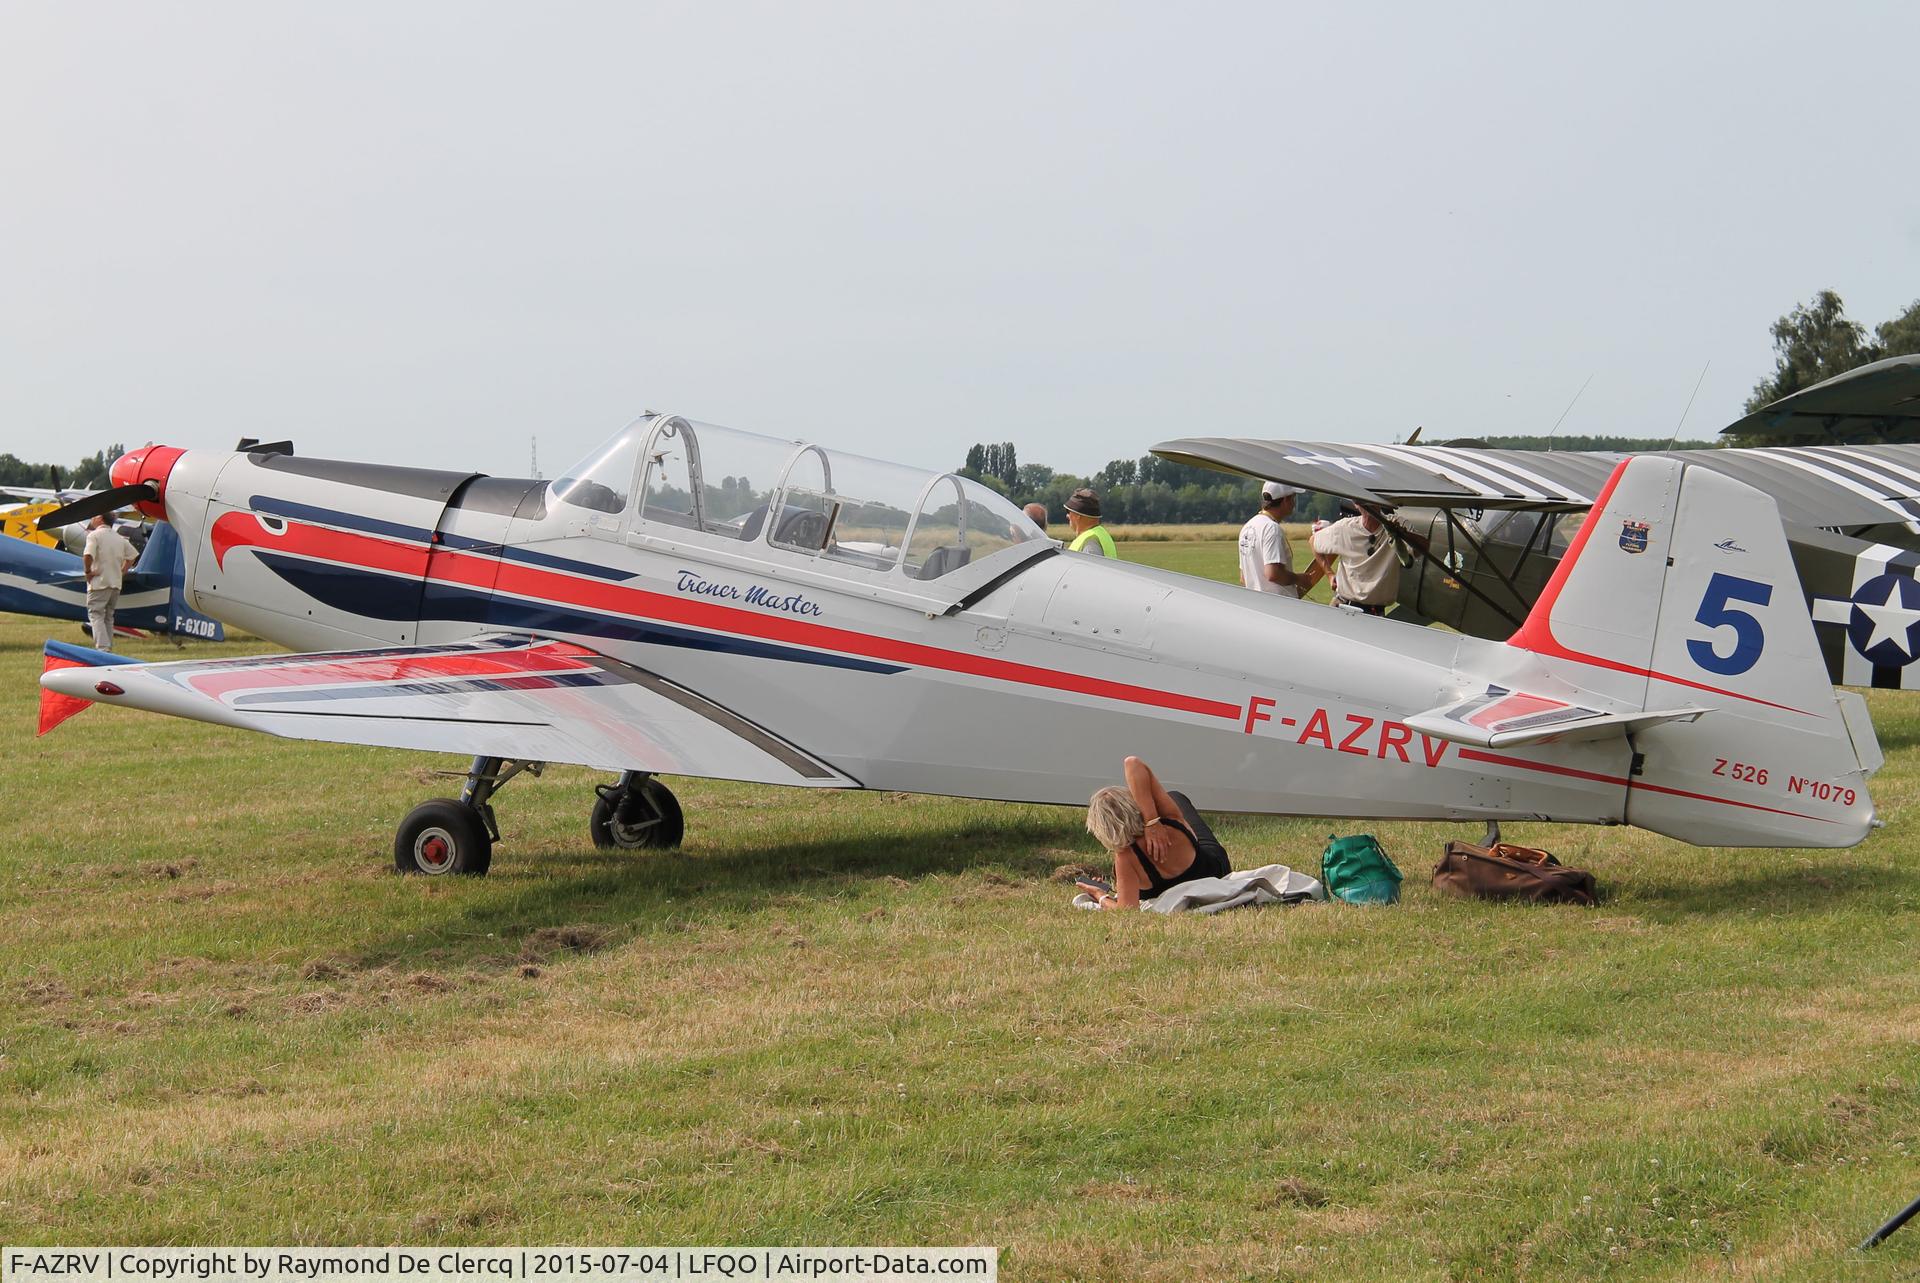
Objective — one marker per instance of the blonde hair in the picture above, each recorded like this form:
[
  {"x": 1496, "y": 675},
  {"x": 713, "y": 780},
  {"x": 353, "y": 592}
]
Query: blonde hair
[{"x": 1113, "y": 819}]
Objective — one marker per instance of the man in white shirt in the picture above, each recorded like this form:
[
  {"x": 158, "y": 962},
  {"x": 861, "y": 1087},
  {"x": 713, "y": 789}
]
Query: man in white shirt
[
  {"x": 107, "y": 556},
  {"x": 1369, "y": 575},
  {"x": 1266, "y": 554}
]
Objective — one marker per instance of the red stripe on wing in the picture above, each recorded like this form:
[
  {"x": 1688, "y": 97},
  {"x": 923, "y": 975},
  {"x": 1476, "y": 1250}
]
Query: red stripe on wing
[{"x": 550, "y": 657}]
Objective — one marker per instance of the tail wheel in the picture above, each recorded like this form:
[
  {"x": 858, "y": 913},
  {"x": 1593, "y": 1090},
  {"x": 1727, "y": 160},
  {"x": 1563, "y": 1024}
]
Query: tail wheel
[
  {"x": 442, "y": 837},
  {"x": 642, "y": 818}
]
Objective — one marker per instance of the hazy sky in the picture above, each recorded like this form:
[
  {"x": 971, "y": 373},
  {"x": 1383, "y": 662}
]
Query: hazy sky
[{"x": 426, "y": 233}]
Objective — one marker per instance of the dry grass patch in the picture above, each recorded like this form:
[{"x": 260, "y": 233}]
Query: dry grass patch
[{"x": 543, "y": 943}]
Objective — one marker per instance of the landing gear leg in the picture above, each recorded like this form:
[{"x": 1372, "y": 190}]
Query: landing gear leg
[
  {"x": 639, "y": 813},
  {"x": 448, "y": 836},
  {"x": 1492, "y": 839}
]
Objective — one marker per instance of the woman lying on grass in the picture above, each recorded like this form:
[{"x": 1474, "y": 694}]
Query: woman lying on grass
[{"x": 1156, "y": 838}]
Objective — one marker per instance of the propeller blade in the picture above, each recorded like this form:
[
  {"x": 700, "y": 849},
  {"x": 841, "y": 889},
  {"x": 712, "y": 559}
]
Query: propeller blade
[{"x": 106, "y": 501}]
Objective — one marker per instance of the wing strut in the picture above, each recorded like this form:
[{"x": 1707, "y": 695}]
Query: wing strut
[
  {"x": 1540, "y": 527},
  {"x": 1481, "y": 553}
]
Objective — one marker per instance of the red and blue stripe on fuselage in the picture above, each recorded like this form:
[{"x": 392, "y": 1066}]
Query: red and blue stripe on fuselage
[{"x": 383, "y": 570}]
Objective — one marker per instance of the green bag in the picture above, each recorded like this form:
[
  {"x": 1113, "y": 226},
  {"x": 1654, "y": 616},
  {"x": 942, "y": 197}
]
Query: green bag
[{"x": 1356, "y": 870}]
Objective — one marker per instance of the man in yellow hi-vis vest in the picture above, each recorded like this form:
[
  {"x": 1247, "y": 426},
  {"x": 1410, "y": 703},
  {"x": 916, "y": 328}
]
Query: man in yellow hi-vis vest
[{"x": 1083, "y": 514}]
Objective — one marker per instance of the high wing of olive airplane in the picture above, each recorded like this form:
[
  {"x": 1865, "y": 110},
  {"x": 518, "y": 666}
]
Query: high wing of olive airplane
[
  {"x": 1497, "y": 521},
  {"x": 693, "y": 600},
  {"x": 51, "y": 583}
]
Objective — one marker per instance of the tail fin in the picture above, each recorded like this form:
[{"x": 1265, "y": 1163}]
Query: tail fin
[
  {"x": 165, "y": 557},
  {"x": 1680, "y": 588}
]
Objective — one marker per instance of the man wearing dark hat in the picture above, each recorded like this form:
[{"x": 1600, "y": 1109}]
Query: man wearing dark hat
[{"x": 1083, "y": 514}]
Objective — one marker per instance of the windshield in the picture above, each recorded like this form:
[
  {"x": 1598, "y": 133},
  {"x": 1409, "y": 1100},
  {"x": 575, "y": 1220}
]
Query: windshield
[{"x": 603, "y": 481}]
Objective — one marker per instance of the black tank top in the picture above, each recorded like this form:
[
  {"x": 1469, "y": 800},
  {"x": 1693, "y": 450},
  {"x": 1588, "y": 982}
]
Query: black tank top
[{"x": 1209, "y": 857}]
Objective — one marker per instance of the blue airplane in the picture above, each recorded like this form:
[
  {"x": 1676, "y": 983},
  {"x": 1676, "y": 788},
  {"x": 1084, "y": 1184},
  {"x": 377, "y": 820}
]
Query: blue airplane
[{"x": 51, "y": 582}]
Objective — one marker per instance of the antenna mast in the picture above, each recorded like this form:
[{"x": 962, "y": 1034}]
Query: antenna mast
[
  {"x": 1569, "y": 410},
  {"x": 1683, "y": 414}
]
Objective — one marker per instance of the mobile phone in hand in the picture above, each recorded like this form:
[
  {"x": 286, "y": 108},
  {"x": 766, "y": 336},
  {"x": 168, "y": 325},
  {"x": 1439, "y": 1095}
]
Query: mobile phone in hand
[{"x": 1094, "y": 885}]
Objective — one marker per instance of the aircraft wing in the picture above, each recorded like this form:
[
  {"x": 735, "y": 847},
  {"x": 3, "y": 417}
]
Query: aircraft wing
[
  {"x": 1880, "y": 401},
  {"x": 516, "y": 697},
  {"x": 1416, "y": 475},
  {"x": 41, "y": 494},
  {"x": 1500, "y": 718},
  {"x": 1834, "y": 486}
]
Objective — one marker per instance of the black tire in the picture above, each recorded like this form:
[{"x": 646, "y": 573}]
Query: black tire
[
  {"x": 441, "y": 837},
  {"x": 644, "y": 819}
]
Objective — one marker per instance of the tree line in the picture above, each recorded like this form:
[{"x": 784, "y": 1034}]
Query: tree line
[{"x": 89, "y": 474}]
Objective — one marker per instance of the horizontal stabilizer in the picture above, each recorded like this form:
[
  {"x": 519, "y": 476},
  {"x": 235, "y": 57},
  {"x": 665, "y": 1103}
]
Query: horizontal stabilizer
[{"x": 1507, "y": 719}]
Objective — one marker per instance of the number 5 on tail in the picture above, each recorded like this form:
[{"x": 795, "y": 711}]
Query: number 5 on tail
[{"x": 1716, "y": 611}]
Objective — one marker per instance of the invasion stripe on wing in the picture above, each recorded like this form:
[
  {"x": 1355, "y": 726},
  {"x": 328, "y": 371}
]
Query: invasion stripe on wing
[
  {"x": 1793, "y": 458},
  {"x": 1475, "y": 478}
]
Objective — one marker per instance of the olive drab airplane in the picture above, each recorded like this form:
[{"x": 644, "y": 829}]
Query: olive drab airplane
[
  {"x": 693, "y": 600},
  {"x": 1497, "y": 521}
]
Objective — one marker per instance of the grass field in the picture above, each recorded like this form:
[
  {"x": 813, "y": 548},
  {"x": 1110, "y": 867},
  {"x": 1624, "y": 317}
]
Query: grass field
[{"x": 871, "y": 1018}]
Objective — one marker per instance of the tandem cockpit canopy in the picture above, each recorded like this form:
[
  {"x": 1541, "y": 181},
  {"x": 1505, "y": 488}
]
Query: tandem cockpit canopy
[{"x": 700, "y": 482}]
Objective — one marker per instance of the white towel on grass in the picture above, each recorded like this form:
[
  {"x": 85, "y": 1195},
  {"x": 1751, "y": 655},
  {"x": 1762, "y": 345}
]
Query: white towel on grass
[{"x": 1269, "y": 884}]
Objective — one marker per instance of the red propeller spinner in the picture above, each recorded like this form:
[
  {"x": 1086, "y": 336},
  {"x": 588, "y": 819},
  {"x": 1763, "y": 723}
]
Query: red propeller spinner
[
  {"x": 139, "y": 480},
  {"x": 149, "y": 464}
]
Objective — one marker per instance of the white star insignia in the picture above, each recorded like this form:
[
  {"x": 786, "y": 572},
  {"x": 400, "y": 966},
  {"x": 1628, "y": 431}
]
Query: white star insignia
[
  {"x": 1891, "y": 620},
  {"x": 1345, "y": 462}
]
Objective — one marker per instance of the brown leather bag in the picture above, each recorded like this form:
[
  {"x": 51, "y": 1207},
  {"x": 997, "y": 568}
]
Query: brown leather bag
[{"x": 1509, "y": 872}]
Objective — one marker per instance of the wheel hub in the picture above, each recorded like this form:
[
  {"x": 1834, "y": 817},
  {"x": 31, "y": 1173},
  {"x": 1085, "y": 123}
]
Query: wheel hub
[
  {"x": 631, "y": 820},
  {"x": 433, "y": 851}
]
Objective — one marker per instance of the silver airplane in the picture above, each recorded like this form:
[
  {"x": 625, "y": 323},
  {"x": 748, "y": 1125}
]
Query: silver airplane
[{"x": 693, "y": 600}]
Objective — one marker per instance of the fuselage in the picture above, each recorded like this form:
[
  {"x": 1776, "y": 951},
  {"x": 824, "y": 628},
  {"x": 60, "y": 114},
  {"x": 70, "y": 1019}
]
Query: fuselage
[{"x": 1027, "y": 674}]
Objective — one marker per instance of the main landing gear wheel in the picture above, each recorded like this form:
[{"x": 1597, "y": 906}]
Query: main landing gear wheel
[
  {"x": 637, "y": 814},
  {"x": 443, "y": 836}
]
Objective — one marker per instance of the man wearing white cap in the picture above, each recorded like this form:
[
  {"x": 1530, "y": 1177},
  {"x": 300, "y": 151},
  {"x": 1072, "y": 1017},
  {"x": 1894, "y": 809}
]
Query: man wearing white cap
[{"x": 1266, "y": 554}]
